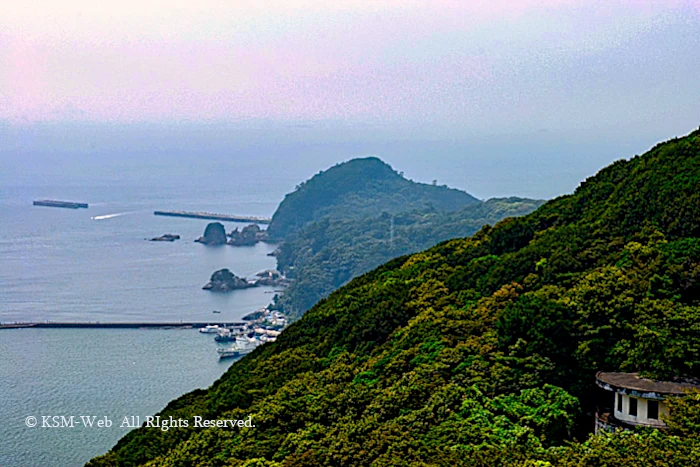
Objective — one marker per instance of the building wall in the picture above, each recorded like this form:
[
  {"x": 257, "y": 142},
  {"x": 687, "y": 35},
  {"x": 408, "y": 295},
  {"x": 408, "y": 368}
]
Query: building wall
[{"x": 622, "y": 413}]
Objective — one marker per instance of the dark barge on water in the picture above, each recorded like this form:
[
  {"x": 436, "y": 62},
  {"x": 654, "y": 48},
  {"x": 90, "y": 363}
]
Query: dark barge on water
[{"x": 60, "y": 204}]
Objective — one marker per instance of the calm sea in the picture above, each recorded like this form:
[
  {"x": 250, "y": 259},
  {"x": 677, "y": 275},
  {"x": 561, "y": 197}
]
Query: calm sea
[
  {"x": 110, "y": 373},
  {"x": 95, "y": 265}
]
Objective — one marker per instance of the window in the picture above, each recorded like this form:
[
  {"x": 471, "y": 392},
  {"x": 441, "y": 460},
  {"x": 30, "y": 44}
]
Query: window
[
  {"x": 633, "y": 406},
  {"x": 653, "y": 410},
  {"x": 619, "y": 402}
]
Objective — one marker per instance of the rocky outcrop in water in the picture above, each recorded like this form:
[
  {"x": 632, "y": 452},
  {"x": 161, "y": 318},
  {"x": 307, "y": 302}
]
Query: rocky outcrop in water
[
  {"x": 214, "y": 234},
  {"x": 249, "y": 235},
  {"x": 225, "y": 281}
]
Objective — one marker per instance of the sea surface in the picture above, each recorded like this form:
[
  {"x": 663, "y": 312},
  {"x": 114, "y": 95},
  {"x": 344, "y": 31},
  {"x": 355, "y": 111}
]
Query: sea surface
[
  {"x": 95, "y": 264},
  {"x": 112, "y": 373}
]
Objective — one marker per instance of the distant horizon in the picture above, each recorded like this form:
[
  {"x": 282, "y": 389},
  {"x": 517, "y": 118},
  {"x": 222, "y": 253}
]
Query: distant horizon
[
  {"x": 539, "y": 165},
  {"x": 492, "y": 97}
]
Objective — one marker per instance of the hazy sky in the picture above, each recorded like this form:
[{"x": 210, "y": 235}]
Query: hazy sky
[{"x": 473, "y": 67}]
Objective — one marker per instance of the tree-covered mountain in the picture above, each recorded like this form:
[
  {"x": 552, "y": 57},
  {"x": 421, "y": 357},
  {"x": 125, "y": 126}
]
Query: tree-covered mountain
[
  {"x": 326, "y": 254},
  {"x": 480, "y": 351},
  {"x": 349, "y": 219},
  {"x": 359, "y": 188}
]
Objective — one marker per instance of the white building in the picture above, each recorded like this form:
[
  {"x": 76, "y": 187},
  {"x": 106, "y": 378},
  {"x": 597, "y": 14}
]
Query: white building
[{"x": 637, "y": 401}]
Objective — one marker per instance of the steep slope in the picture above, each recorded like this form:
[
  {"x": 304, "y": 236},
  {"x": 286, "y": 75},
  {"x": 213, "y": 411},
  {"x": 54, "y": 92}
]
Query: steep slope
[
  {"x": 325, "y": 255},
  {"x": 479, "y": 351},
  {"x": 358, "y": 188}
]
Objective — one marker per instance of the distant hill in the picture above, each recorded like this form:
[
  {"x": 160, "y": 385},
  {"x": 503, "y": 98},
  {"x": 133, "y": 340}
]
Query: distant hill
[
  {"x": 480, "y": 350},
  {"x": 359, "y": 188},
  {"x": 356, "y": 215}
]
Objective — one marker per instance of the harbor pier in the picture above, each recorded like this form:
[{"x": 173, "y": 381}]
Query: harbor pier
[
  {"x": 214, "y": 216},
  {"x": 117, "y": 324}
]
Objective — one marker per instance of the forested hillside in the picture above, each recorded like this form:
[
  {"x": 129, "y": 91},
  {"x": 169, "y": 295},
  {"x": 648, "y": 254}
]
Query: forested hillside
[
  {"x": 326, "y": 254},
  {"x": 349, "y": 219},
  {"x": 480, "y": 351},
  {"x": 356, "y": 189}
]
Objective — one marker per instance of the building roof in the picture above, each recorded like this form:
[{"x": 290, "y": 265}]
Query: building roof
[{"x": 634, "y": 384}]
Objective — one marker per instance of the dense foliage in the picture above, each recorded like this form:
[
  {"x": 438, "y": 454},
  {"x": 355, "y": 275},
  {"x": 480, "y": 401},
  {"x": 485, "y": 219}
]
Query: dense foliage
[
  {"x": 479, "y": 351},
  {"x": 326, "y": 254},
  {"x": 356, "y": 189}
]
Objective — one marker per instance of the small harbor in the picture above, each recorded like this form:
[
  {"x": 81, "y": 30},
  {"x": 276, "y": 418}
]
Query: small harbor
[{"x": 260, "y": 327}]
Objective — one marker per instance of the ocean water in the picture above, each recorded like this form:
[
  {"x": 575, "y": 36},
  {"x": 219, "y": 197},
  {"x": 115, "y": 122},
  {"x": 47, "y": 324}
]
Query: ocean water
[
  {"x": 113, "y": 373},
  {"x": 95, "y": 264}
]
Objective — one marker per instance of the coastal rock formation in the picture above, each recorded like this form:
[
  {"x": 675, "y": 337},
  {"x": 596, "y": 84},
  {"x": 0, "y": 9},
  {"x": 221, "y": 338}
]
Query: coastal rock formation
[
  {"x": 166, "y": 238},
  {"x": 225, "y": 281},
  {"x": 214, "y": 234},
  {"x": 249, "y": 235},
  {"x": 271, "y": 278},
  {"x": 255, "y": 315}
]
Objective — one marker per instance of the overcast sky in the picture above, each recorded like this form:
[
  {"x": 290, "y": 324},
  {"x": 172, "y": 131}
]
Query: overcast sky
[{"x": 472, "y": 67}]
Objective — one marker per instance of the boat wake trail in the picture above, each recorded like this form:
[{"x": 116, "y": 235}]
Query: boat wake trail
[{"x": 109, "y": 216}]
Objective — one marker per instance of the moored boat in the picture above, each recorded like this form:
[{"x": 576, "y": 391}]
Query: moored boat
[
  {"x": 224, "y": 335},
  {"x": 241, "y": 347}
]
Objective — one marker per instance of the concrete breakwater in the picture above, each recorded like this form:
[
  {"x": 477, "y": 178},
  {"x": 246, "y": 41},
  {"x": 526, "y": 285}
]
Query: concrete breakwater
[
  {"x": 117, "y": 325},
  {"x": 214, "y": 216}
]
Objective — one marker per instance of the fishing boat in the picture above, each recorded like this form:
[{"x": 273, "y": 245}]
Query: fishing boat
[
  {"x": 225, "y": 335},
  {"x": 241, "y": 347}
]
